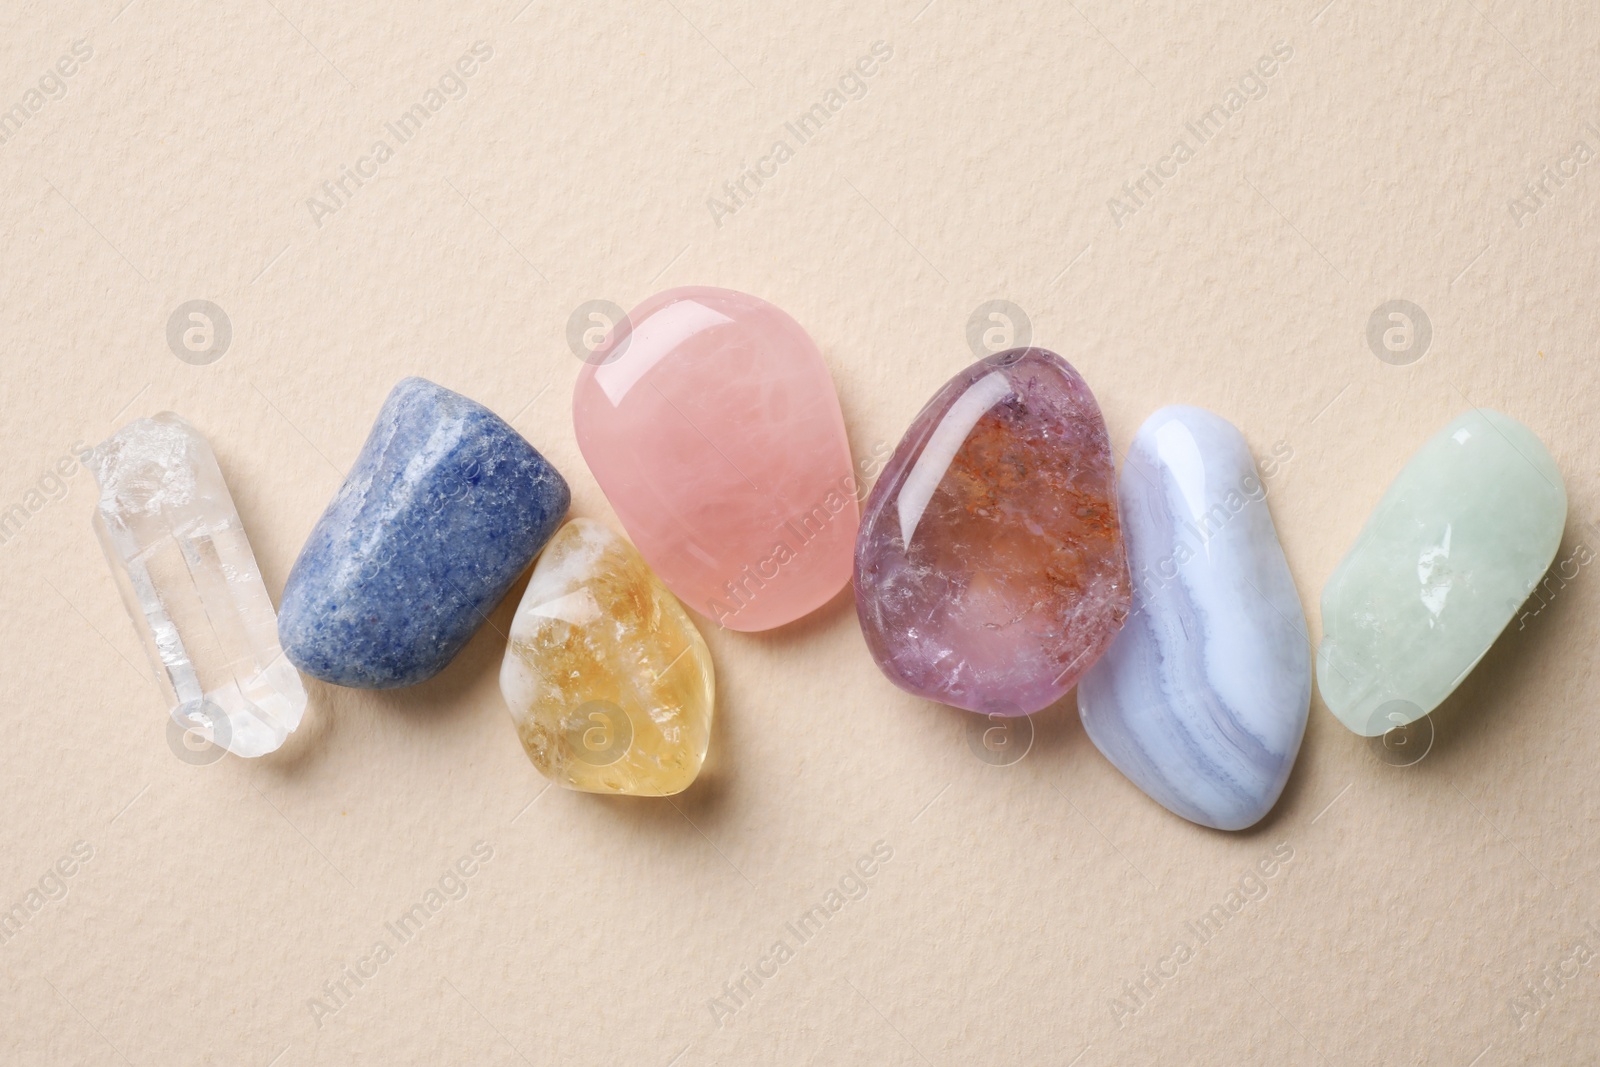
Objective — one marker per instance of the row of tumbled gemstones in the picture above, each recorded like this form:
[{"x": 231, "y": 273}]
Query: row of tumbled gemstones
[{"x": 998, "y": 562}]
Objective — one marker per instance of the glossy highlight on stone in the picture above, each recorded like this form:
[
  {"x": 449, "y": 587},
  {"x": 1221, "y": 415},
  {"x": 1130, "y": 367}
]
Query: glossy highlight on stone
[
  {"x": 710, "y": 421},
  {"x": 1455, "y": 546},
  {"x": 990, "y": 571},
  {"x": 445, "y": 506},
  {"x": 608, "y": 681},
  {"x": 1202, "y": 698},
  {"x": 190, "y": 582}
]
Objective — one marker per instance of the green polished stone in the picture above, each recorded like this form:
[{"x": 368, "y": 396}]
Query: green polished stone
[{"x": 1453, "y": 549}]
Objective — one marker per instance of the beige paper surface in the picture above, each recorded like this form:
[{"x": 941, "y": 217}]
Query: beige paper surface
[{"x": 230, "y": 913}]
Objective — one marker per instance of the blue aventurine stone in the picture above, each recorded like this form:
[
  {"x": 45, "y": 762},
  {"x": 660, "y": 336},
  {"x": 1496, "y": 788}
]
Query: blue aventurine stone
[{"x": 443, "y": 509}]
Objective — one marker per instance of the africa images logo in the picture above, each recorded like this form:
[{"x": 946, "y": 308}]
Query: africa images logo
[
  {"x": 1253, "y": 85},
  {"x": 337, "y": 192},
  {"x": 851, "y": 86}
]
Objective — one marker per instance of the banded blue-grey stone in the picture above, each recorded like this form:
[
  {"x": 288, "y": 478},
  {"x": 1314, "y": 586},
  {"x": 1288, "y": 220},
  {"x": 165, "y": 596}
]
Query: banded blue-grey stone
[
  {"x": 445, "y": 506},
  {"x": 1202, "y": 698}
]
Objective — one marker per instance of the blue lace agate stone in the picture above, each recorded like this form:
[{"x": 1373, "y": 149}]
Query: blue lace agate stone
[
  {"x": 1202, "y": 698},
  {"x": 445, "y": 506}
]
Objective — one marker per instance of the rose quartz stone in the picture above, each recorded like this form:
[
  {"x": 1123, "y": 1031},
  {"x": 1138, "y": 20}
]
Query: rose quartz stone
[{"x": 712, "y": 426}]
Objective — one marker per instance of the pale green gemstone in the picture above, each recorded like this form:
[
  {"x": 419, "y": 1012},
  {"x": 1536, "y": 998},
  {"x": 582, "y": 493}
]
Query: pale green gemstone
[{"x": 1453, "y": 549}]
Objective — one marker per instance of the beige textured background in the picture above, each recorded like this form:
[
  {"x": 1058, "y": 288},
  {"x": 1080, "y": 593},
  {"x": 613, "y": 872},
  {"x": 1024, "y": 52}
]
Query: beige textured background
[{"x": 220, "y": 901}]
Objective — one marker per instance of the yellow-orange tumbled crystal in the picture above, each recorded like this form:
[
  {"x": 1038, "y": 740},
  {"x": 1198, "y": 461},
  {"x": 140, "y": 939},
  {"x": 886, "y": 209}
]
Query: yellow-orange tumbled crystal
[{"x": 608, "y": 681}]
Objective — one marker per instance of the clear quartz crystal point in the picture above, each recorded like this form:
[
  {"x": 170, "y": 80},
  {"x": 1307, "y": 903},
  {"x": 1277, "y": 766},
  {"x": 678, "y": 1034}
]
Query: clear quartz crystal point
[{"x": 183, "y": 563}]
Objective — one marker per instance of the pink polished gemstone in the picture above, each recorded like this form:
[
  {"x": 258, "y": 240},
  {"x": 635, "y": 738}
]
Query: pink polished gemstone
[
  {"x": 990, "y": 571},
  {"x": 711, "y": 424}
]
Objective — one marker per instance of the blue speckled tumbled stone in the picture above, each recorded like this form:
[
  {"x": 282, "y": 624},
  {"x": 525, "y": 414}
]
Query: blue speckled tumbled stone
[{"x": 442, "y": 510}]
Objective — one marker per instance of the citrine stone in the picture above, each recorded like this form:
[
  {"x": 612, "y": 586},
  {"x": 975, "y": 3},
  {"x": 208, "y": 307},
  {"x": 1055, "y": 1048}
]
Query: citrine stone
[
  {"x": 990, "y": 571},
  {"x": 1455, "y": 546},
  {"x": 711, "y": 423},
  {"x": 608, "y": 681},
  {"x": 190, "y": 582}
]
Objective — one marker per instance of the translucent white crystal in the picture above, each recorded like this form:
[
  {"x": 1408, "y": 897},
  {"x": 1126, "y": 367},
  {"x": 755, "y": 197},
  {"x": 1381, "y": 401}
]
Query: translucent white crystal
[{"x": 175, "y": 543}]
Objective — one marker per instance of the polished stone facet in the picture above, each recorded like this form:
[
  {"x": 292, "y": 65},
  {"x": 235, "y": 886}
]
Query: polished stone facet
[
  {"x": 189, "y": 579},
  {"x": 1202, "y": 698},
  {"x": 990, "y": 571},
  {"x": 445, "y": 506},
  {"x": 608, "y": 681},
  {"x": 1455, "y": 546},
  {"x": 711, "y": 424}
]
